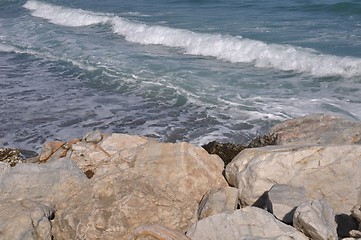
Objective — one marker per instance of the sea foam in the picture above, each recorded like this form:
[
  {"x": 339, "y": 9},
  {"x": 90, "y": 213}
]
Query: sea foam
[{"x": 222, "y": 47}]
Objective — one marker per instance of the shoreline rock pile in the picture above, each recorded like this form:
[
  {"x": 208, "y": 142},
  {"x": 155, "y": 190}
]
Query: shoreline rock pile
[{"x": 305, "y": 185}]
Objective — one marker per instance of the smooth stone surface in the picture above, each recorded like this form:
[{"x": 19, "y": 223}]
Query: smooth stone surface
[
  {"x": 247, "y": 223},
  {"x": 188, "y": 168},
  {"x": 282, "y": 201},
  {"x": 254, "y": 171},
  {"x": 94, "y": 137},
  {"x": 49, "y": 182},
  {"x": 25, "y": 220},
  {"x": 317, "y": 129},
  {"x": 217, "y": 201},
  {"x": 316, "y": 219}
]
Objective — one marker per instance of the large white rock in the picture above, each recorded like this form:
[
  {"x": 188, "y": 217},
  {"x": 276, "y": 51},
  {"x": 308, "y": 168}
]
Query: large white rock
[
  {"x": 49, "y": 182},
  {"x": 332, "y": 172},
  {"x": 317, "y": 129},
  {"x": 217, "y": 201},
  {"x": 247, "y": 223},
  {"x": 137, "y": 181},
  {"x": 114, "y": 204},
  {"x": 316, "y": 219},
  {"x": 113, "y": 151},
  {"x": 188, "y": 168},
  {"x": 282, "y": 201},
  {"x": 25, "y": 220}
]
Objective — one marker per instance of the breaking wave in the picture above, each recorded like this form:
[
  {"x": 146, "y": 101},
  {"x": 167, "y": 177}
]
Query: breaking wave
[{"x": 222, "y": 47}]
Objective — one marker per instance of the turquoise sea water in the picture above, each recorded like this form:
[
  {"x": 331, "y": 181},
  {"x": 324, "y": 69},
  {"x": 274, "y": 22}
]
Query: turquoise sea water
[{"x": 181, "y": 70}]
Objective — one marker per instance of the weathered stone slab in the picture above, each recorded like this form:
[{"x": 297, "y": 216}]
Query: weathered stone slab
[
  {"x": 114, "y": 204},
  {"x": 247, "y": 223},
  {"x": 282, "y": 201},
  {"x": 316, "y": 219},
  {"x": 49, "y": 182},
  {"x": 187, "y": 167},
  {"x": 217, "y": 201},
  {"x": 255, "y": 171},
  {"x": 317, "y": 129},
  {"x": 113, "y": 151},
  {"x": 25, "y": 220}
]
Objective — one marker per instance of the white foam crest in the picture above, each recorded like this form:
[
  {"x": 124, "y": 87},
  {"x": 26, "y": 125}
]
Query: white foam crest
[
  {"x": 64, "y": 16},
  {"x": 239, "y": 50},
  {"x": 7, "y": 48},
  {"x": 226, "y": 48}
]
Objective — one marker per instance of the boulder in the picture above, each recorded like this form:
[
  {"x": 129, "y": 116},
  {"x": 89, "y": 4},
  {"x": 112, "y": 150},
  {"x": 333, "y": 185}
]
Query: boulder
[
  {"x": 48, "y": 183},
  {"x": 356, "y": 213},
  {"x": 254, "y": 171},
  {"x": 93, "y": 137},
  {"x": 158, "y": 232},
  {"x": 25, "y": 219},
  {"x": 246, "y": 223},
  {"x": 49, "y": 148},
  {"x": 136, "y": 181},
  {"x": 188, "y": 168},
  {"x": 282, "y": 201},
  {"x": 113, "y": 205},
  {"x": 217, "y": 201},
  {"x": 113, "y": 151},
  {"x": 316, "y": 219},
  {"x": 317, "y": 129}
]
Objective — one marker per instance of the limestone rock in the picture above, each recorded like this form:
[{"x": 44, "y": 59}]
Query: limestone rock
[
  {"x": 25, "y": 220},
  {"x": 217, "y": 201},
  {"x": 49, "y": 182},
  {"x": 113, "y": 151},
  {"x": 317, "y": 129},
  {"x": 282, "y": 201},
  {"x": 50, "y": 148},
  {"x": 94, "y": 137},
  {"x": 158, "y": 232},
  {"x": 356, "y": 212},
  {"x": 316, "y": 219},
  {"x": 254, "y": 171},
  {"x": 247, "y": 223},
  {"x": 187, "y": 167},
  {"x": 355, "y": 234},
  {"x": 114, "y": 204}
]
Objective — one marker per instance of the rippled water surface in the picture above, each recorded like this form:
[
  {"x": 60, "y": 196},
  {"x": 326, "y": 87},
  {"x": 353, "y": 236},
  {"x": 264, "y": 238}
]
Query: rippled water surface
[{"x": 191, "y": 71}]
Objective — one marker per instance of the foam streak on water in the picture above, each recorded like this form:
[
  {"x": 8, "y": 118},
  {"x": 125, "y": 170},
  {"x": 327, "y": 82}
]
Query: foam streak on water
[{"x": 226, "y": 48}]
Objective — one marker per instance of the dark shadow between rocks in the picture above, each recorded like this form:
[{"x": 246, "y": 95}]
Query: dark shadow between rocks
[
  {"x": 261, "y": 201},
  {"x": 345, "y": 223}
]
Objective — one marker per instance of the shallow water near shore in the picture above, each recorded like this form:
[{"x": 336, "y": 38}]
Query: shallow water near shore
[{"x": 192, "y": 71}]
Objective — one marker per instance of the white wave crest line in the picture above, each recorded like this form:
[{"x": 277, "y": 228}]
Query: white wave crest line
[
  {"x": 225, "y": 48},
  {"x": 7, "y": 48},
  {"x": 64, "y": 16}
]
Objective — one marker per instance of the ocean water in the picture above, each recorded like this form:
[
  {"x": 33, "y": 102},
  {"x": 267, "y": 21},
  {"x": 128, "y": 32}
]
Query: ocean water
[{"x": 177, "y": 70}]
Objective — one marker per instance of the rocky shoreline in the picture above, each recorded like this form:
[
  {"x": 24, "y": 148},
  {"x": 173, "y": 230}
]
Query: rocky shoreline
[{"x": 300, "y": 181}]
